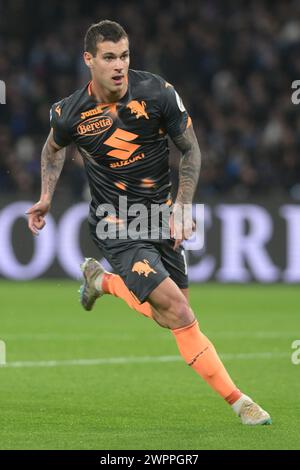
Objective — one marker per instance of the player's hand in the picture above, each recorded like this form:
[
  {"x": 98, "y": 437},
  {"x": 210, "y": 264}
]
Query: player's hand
[
  {"x": 181, "y": 224},
  {"x": 36, "y": 216}
]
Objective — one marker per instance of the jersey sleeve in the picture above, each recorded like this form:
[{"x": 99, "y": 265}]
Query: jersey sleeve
[
  {"x": 58, "y": 123},
  {"x": 174, "y": 114}
]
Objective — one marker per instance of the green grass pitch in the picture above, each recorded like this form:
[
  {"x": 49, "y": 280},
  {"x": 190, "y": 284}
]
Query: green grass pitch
[{"x": 138, "y": 394}]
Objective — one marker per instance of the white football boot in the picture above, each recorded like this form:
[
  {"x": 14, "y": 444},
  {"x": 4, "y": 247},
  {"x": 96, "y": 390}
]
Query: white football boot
[
  {"x": 93, "y": 272},
  {"x": 250, "y": 412}
]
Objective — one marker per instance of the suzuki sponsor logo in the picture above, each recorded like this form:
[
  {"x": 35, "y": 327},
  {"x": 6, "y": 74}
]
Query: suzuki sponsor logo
[{"x": 121, "y": 142}]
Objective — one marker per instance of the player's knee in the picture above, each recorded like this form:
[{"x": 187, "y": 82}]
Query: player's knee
[
  {"x": 176, "y": 314},
  {"x": 183, "y": 313}
]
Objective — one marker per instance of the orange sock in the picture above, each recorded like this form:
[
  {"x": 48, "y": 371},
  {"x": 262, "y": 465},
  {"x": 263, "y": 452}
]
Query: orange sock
[
  {"x": 194, "y": 346},
  {"x": 114, "y": 285},
  {"x": 200, "y": 354}
]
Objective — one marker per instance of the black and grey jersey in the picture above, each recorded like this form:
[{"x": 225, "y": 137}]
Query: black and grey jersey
[{"x": 123, "y": 144}]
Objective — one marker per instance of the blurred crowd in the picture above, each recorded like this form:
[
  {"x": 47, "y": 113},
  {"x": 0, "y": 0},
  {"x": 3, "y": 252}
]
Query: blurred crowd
[{"x": 233, "y": 63}]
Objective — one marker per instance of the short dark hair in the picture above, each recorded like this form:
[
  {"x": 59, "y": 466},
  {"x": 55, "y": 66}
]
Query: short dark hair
[{"x": 105, "y": 30}]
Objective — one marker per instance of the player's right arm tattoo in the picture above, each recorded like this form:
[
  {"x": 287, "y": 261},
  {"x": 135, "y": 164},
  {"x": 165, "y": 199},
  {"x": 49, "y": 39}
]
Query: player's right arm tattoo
[
  {"x": 52, "y": 162},
  {"x": 190, "y": 164}
]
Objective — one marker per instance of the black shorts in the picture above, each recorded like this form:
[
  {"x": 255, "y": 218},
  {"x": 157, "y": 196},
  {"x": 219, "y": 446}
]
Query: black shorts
[{"x": 144, "y": 264}]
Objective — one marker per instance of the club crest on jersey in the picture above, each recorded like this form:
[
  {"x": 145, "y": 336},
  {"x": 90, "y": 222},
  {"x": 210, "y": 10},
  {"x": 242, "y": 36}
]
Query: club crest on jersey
[
  {"x": 138, "y": 109},
  {"x": 95, "y": 125}
]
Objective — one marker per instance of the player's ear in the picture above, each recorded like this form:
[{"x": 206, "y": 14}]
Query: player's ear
[{"x": 88, "y": 59}]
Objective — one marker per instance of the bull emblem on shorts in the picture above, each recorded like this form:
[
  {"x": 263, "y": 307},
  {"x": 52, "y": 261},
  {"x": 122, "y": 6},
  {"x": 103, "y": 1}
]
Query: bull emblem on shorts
[
  {"x": 143, "y": 267},
  {"x": 138, "y": 109}
]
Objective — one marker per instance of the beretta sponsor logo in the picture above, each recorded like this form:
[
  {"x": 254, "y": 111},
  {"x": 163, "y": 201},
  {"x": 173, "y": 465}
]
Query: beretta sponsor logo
[{"x": 95, "y": 125}]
